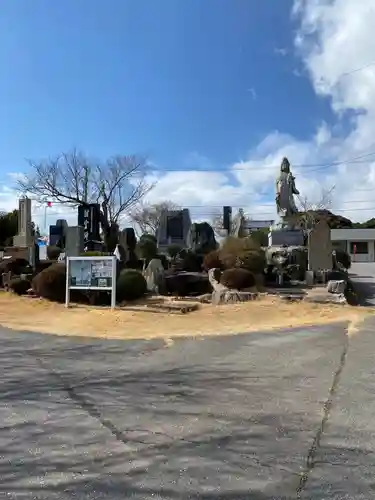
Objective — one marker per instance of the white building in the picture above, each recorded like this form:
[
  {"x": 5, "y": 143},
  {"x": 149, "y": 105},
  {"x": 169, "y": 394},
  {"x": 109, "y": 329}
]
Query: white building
[{"x": 359, "y": 243}]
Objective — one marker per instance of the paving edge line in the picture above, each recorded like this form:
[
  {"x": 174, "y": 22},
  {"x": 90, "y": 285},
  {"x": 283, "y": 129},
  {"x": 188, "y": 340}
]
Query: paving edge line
[{"x": 168, "y": 337}]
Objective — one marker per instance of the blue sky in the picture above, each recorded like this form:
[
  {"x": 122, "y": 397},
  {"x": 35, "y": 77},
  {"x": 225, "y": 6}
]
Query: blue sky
[
  {"x": 170, "y": 79},
  {"x": 194, "y": 85}
]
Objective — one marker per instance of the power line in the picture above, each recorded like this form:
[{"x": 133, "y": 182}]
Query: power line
[
  {"x": 361, "y": 68},
  {"x": 316, "y": 166}
]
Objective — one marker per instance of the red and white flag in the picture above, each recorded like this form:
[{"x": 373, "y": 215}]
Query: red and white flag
[{"x": 49, "y": 203}]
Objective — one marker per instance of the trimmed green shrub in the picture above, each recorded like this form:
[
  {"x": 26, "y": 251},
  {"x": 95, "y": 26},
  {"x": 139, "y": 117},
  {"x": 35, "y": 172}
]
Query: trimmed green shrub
[
  {"x": 147, "y": 248},
  {"x": 50, "y": 283},
  {"x": 44, "y": 264},
  {"x": 147, "y": 236},
  {"x": 19, "y": 286},
  {"x": 173, "y": 250},
  {"x": 191, "y": 261},
  {"x": 253, "y": 260},
  {"x": 53, "y": 252},
  {"x": 212, "y": 261},
  {"x": 237, "y": 278},
  {"x": 131, "y": 285}
]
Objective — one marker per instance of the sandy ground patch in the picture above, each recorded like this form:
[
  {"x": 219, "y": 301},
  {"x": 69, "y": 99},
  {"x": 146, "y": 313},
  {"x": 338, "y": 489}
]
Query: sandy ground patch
[{"x": 23, "y": 313}]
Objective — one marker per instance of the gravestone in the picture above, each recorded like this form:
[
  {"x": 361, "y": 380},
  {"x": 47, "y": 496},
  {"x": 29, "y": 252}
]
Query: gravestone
[
  {"x": 320, "y": 247},
  {"x": 74, "y": 241},
  {"x": 128, "y": 241},
  {"x": 89, "y": 219},
  {"x": 24, "y": 237},
  {"x": 174, "y": 229}
]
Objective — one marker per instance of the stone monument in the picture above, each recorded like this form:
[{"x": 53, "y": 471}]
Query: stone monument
[
  {"x": 174, "y": 229},
  {"x": 320, "y": 247},
  {"x": 201, "y": 238},
  {"x": 74, "y": 241},
  {"x": 286, "y": 232},
  {"x": 128, "y": 241},
  {"x": 24, "y": 238}
]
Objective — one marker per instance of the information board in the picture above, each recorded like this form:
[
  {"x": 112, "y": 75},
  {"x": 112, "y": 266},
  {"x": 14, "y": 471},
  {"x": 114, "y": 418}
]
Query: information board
[{"x": 91, "y": 273}]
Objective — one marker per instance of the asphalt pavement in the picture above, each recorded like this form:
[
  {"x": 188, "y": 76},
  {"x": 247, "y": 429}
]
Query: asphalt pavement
[{"x": 259, "y": 416}]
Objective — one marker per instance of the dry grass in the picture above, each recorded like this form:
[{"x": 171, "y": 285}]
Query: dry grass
[{"x": 23, "y": 313}]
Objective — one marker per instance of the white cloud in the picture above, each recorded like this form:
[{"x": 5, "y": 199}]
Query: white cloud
[{"x": 336, "y": 47}]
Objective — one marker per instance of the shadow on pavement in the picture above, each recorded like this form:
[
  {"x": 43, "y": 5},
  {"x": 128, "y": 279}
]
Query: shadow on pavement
[{"x": 126, "y": 421}]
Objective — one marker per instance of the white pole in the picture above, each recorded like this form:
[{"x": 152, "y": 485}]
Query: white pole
[
  {"x": 113, "y": 294},
  {"x": 67, "y": 289},
  {"x": 45, "y": 219}
]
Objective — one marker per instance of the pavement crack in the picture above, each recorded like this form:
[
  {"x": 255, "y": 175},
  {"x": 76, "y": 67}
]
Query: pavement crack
[
  {"x": 312, "y": 452},
  {"x": 95, "y": 413}
]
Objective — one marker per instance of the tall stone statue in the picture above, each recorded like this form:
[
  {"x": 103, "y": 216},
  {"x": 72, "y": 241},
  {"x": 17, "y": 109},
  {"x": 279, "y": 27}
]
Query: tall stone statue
[{"x": 285, "y": 191}]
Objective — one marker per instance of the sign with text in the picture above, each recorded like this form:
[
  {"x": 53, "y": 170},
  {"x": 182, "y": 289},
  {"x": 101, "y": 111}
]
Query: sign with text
[
  {"x": 91, "y": 273},
  {"x": 89, "y": 218}
]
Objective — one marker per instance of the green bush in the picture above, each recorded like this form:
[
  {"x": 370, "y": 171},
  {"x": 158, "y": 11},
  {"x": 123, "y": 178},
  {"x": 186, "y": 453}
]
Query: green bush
[
  {"x": 14, "y": 265},
  {"x": 173, "y": 250},
  {"x": 237, "y": 278},
  {"x": 147, "y": 248},
  {"x": 242, "y": 252},
  {"x": 51, "y": 282},
  {"x": 253, "y": 260},
  {"x": 19, "y": 286},
  {"x": 147, "y": 236},
  {"x": 212, "y": 260},
  {"x": 44, "y": 264},
  {"x": 191, "y": 261},
  {"x": 53, "y": 252},
  {"x": 131, "y": 285},
  {"x": 343, "y": 258}
]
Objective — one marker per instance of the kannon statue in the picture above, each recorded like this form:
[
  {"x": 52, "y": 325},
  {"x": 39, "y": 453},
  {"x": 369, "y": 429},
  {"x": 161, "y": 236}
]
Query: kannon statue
[{"x": 285, "y": 191}]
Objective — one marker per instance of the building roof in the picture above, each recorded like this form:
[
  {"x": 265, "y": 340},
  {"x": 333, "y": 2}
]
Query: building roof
[{"x": 354, "y": 234}]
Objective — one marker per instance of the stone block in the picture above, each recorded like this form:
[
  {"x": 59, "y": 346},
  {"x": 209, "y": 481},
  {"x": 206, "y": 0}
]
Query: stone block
[{"x": 336, "y": 286}]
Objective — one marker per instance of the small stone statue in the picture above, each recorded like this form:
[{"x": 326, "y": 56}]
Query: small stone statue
[{"x": 285, "y": 191}]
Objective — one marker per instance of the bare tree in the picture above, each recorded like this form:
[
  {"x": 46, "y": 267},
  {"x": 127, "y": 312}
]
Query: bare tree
[
  {"x": 310, "y": 211},
  {"x": 117, "y": 184},
  {"x": 147, "y": 217}
]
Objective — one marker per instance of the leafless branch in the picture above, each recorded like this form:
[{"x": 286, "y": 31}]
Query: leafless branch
[
  {"x": 147, "y": 217},
  {"x": 310, "y": 209},
  {"x": 118, "y": 184}
]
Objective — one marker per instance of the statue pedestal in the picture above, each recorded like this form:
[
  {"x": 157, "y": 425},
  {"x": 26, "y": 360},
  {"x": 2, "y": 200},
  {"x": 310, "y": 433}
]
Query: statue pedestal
[{"x": 289, "y": 237}]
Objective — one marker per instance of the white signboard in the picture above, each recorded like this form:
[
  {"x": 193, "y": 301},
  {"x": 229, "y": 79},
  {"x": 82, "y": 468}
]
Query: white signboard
[{"x": 91, "y": 273}]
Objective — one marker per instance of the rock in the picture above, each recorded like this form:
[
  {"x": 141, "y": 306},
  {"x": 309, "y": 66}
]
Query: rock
[
  {"x": 223, "y": 295},
  {"x": 336, "y": 286},
  {"x": 231, "y": 296},
  {"x": 154, "y": 275},
  {"x": 322, "y": 296},
  {"x": 187, "y": 283},
  {"x": 201, "y": 237},
  {"x": 214, "y": 282}
]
